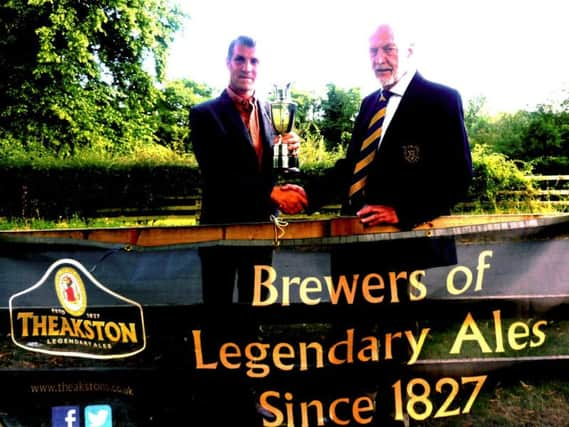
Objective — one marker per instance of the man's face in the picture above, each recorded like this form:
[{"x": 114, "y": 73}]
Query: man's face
[
  {"x": 385, "y": 57},
  {"x": 242, "y": 68}
]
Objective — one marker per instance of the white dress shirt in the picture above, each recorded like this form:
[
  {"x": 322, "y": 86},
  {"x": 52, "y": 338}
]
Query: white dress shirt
[{"x": 397, "y": 92}]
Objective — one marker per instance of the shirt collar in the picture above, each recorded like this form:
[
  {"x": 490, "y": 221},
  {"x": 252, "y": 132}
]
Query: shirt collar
[
  {"x": 240, "y": 99},
  {"x": 401, "y": 86}
]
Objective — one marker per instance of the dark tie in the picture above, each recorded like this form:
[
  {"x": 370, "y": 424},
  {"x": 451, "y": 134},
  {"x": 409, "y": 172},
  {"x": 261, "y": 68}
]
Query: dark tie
[{"x": 368, "y": 148}]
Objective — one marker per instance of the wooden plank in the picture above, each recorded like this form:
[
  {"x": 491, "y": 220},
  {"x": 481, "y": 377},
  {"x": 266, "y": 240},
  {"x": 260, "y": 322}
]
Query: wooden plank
[
  {"x": 266, "y": 232},
  {"x": 549, "y": 177},
  {"x": 163, "y": 236}
]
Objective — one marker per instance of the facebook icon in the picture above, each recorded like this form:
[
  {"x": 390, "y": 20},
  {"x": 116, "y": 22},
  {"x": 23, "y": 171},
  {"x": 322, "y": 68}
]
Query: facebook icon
[{"x": 65, "y": 416}]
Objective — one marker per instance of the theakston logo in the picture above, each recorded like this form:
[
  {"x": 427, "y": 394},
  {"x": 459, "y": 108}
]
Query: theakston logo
[{"x": 69, "y": 313}]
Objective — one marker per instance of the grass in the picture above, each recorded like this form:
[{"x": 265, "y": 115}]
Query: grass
[
  {"x": 509, "y": 398},
  {"x": 515, "y": 403},
  {"x": 103, "y": 222},
  {"x": 522, "y": 399}
]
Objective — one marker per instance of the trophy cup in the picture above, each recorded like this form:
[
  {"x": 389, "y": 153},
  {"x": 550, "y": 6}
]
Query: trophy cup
[{"x": 282, "y": 114}]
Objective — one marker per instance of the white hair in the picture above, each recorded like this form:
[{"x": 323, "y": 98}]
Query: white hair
[{"x": 402, "y": 34}]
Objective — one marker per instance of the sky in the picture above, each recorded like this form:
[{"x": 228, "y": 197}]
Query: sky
[{"x": 514, "y": 53}]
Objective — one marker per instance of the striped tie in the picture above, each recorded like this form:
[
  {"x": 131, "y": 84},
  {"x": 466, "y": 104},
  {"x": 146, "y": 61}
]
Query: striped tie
[{"x": 368, "y": 148}]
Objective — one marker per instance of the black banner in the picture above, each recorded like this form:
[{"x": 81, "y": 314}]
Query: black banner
[{"x": 426, "y": 328}]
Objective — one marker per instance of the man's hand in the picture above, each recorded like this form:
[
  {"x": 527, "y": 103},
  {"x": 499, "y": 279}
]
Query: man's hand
[
  {"x": 292, "y": 140},
  {"x": 290, "y": 198},
  {"x": 377, "y": 214}
]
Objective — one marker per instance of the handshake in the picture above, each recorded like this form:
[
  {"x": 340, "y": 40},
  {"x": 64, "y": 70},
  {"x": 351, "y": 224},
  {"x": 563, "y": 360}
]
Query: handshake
[{"x": 290, "y": 198}]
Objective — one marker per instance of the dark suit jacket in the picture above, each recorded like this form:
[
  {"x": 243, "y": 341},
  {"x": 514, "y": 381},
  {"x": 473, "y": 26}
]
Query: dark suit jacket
[
  {"x": 235, "y": 189},
  {"x": 422, "y": 169},
  {"x": 423, "y": 166}
]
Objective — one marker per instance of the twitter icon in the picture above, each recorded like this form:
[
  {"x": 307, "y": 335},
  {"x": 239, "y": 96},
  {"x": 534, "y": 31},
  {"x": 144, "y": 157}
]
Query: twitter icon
[{"x": 98, "y": 416}]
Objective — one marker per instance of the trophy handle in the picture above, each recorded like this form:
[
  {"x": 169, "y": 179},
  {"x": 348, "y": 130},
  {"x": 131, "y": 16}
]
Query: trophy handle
[{"x": 292, "y": 116}]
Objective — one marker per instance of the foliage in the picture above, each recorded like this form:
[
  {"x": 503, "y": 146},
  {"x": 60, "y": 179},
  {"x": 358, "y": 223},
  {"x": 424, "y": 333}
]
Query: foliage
[
  {"x": 75, "y": 86},
  {"x": 313, "y": 154},
  {"x": 91, "y": 189},
  {"x": 73, "y": 73},
  {"x": 496, "y": 178},
  {"x": 475, "y": 121},
  {"x": 539, "y": 137},
  {"x": 307, "y": 111},
  {"x": 172, "y": 111},
  {"x": 338, "y": 112}
]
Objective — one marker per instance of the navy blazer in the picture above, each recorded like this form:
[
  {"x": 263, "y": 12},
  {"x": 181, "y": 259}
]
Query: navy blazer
[
  {"x": 235, "y": 187},
  {"x": 423, "y": 166}
]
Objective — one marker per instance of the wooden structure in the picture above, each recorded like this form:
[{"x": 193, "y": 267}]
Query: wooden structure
[{"x": 295, "y": 232}]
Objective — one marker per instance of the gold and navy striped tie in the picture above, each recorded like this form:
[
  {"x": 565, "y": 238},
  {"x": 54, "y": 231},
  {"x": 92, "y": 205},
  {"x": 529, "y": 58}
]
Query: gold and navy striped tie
[{"x": 368, "y": 148}]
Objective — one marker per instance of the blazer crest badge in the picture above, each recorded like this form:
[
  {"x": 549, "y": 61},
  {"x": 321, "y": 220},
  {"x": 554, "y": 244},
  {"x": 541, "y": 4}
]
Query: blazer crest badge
[{"x": 411, "y": 153}]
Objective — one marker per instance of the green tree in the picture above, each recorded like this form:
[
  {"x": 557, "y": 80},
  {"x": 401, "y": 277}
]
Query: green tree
[
  {"x": 307, "y": 106},
  {"x": 496, "y": 176},
  {"x": 173, "y": 107},
  {"x": 338, "y": 110},
  {"x": 74, "y": 73},
  {"x": 539, "y": 137},
  {"x": 508, "y": 133},
  {"x": 543, "y": 137},
  {"x": 307, "y": 112},
  {"x": 477, "y": 124}
]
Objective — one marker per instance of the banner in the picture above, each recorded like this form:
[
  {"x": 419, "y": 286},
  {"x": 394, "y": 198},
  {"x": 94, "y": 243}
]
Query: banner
[{"x": 458, "y": 322}]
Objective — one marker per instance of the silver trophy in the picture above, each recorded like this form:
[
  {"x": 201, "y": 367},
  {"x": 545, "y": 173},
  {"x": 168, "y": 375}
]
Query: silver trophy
[{"x": 282, "y": 114}]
